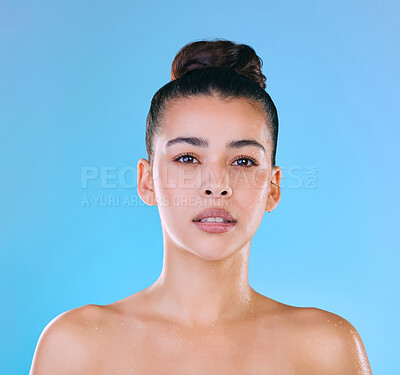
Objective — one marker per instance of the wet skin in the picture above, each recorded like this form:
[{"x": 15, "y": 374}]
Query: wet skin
[{"x": 201, "y": 316}]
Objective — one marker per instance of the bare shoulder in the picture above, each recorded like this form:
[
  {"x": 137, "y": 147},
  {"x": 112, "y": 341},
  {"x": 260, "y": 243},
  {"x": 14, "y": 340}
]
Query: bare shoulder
[
  {"x": 66, "y": 344},
  {"x": 328, "y": 343}
]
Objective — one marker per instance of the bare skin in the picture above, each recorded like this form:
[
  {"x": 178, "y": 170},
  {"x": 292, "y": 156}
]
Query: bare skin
[{"x": 201, "y": 316}]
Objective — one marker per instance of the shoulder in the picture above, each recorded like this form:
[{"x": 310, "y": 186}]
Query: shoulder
[
  {"x": 328, "y": 343},
  {"x": 66, "y": 344}
]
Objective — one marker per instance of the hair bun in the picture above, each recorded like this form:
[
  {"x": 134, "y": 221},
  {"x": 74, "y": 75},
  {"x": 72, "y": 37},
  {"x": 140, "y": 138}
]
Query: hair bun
[{"x": 222, "y": 53}]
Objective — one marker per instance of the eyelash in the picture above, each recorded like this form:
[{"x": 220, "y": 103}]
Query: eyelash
[{"x": 241, "y": 157}]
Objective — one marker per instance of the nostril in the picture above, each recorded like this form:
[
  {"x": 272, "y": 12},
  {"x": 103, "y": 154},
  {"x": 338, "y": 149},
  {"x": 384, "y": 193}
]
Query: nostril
[{"x": 208, "y": 192}]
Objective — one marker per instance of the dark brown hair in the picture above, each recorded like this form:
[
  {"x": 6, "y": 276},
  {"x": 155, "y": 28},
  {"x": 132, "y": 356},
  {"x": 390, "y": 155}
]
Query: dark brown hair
[{"x": 218, "y": 68}]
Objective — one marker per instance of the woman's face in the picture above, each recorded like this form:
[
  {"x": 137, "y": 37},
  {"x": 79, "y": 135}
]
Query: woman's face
[{"x": 213, "y": 154}]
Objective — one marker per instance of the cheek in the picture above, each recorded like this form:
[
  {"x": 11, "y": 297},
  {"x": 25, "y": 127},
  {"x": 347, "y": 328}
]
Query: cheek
[
  {"x": 255, "y": 181},
  {"x": 248, "y": 186},
  {"x": 176, "y": 189},
  {"x": 172, "y": 180},
  {"x": 251, "y": 192}
]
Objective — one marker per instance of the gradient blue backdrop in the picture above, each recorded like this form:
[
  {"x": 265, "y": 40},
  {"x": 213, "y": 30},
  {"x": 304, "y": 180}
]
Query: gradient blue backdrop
[{"x": 77, "y": 78}]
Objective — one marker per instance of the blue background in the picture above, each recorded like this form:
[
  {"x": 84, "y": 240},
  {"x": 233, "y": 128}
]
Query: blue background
[{"x": 77, "y": 78}]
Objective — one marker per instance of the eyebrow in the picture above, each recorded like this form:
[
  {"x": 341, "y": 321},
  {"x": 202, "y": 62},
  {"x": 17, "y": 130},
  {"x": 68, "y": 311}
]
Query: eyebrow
[{"x": 202, "y": 142}]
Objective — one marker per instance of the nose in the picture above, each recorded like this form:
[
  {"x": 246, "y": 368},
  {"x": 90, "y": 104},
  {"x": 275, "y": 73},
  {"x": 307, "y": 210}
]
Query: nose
[
  {"x": 216, "y": 185},
  {"x": 212, "y": 192}
]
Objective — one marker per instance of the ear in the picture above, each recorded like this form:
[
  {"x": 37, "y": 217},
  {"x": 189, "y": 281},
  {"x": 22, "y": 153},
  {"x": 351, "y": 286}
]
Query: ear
[
  {"x": 145, "y": 183},
  {"x": 274, "y": 194}
]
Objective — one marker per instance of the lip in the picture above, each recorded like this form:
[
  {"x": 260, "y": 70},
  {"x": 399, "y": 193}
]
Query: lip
[
  {"x": 215, "y": 212},
  {"x": 215, "y": 227}
]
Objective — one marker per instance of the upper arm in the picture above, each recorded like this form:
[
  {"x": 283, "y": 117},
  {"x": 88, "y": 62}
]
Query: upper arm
[
  {"x": 336, "y": 347},
  {"x": 63, "y": 347}
]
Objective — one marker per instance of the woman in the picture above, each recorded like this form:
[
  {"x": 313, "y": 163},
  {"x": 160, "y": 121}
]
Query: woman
[{"x": 211, "y": 141}]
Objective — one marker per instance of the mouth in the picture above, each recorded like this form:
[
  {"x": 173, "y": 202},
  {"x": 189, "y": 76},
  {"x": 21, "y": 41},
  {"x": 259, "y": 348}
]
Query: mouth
[{"x": 215, "y": 220}]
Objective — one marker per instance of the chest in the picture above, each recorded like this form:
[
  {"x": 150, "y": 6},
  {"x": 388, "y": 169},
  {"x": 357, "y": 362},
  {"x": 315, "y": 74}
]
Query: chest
[{"x": 200, "y": 352}]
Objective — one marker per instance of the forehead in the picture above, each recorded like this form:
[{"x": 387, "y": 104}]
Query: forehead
[{"x": 215, "y": 119}]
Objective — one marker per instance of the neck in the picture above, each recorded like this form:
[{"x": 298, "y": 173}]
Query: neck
[{"x": 193, "y": 290}]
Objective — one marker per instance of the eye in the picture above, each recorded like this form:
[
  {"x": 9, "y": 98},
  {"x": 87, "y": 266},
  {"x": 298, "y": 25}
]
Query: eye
[
  {"x": 245, "y": 160},
  {"x": 186, "y": 156}
]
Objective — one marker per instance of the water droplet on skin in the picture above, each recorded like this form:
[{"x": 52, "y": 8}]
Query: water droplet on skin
[
  {"x": 275, "y": 316},
  {"x": 219, "y": 297},
  {"x": 96, "y": 328},
  {"x": 351, "y": 331},
  {"x": 335, "y": 324},
  {"x": 101, "y": 331},
  {"x": 208, "y": 336},
  {"x": 212, "y": 324},
  {"x": 328, "y": 320}
]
